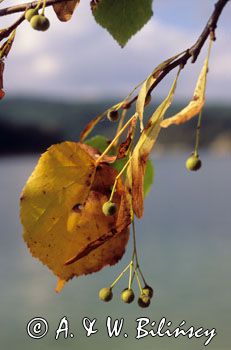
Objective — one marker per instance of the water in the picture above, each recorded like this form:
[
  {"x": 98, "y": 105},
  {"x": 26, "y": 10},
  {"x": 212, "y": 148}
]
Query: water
[{"x": 184, "y": 242}]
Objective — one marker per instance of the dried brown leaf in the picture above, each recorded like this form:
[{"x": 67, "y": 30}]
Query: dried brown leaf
[
  {"x": 195, "y": 105},
  {"x": 137, "y": 166},
  {"x": 7, "y": 45},
  {"x": 65, "y": 10},
  {"x": 90, "y": 126},
  {"x": 94, "y": 153},
  {"x": 2, "y": 93},
  {"x": 125, "y": 146},
  {"x": 148, "y": 83}
]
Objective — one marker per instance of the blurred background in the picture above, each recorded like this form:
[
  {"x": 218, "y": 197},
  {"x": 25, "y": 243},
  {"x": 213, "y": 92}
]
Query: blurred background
[{"x": 55, "y": 83}]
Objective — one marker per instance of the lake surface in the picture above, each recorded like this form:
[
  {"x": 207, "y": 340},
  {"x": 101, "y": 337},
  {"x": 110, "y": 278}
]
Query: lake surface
[{"x": 184, "y": 245}]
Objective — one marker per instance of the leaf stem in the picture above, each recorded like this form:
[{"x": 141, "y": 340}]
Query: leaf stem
[
  {"x": 38, "y": 4},
  {"x": 43, "y": 8},
  {"x": 198, "y": 129},
  {"x": 118, "y": 176},
  {"x": 121, "y": 122},
  {"x": 135, "y": 252},
  {"x": 130, "y": 275},
  {"x": 120, "y": 275},
  {"x": 138, "y": 281},
  {"x": 115, "y": 138}
]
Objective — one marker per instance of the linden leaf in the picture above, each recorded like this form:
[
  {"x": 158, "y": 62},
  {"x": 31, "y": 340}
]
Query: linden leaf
[
  {"x": 2, "y": 93},
  {"x": 125, "y": 146},
  {"x": 4, "y": 51},
  {"x": 7, "y": 45},
  {"x": 89, "y": 127},
  {"x": 61, "y": 212},
  {"x": 146, "y": 86},
  {"x": 100, "y": 142},
  {"x": 138, "y": 164},
  {"x": 195, "y": 106},
  {"x": 122, "y": 18},
  {"x": 148, "y": 177},
  {"x": 60, "y": 284},
  {"x": 65, "y": 10}
]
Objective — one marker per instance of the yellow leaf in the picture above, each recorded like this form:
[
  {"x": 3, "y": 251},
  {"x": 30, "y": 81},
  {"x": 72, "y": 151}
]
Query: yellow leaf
[
  {"x": 65, "y": 10},
  {"x": 61, "y": 212},
  {"x": 148, "y": 83},
  {"x": 195, "y": 106},
  {"x": 137, "y": 166},
  {"x": 60, "y": 284}
]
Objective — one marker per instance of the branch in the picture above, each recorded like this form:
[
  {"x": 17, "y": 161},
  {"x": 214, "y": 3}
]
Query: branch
[
  {"x": 4, "y": 33},
  {"x": 194, "y": 51},
  {"x": 23, "y": 7}
]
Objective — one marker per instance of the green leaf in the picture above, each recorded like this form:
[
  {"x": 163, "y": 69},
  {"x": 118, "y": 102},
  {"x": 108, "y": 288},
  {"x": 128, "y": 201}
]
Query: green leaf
[
  {"x": 100, "y": 142},
  {"x": 119, "y": 164},
  {"x": 148, "y": 176},
  {"x": 122, "y": 18}
]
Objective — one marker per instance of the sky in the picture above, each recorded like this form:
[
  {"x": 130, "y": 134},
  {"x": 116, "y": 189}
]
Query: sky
[{"x": 79, "y": 60}]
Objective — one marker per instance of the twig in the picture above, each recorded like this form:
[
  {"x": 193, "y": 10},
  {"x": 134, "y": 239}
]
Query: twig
[
  {"x": 194, "y": 51},
  {"x": 22, "y": 7},
  {"x": 7, "y": 31}
]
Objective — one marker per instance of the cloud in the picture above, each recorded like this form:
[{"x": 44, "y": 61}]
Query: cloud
[
  {"x": 45, "y": 66},
  {"x": 79, "y": 59}
]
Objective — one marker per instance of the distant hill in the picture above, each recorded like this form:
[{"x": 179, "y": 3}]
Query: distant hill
[{"x": 31, "y": 125}]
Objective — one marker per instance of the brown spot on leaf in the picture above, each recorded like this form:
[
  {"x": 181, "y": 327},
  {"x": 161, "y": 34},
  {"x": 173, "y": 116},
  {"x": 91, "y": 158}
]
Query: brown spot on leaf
[
  {"x": 195, "y": 98},
  {"x": 77, "y": 207},
  {"x": 124, "y": 146},
  {"x": 148, "y": 125}
]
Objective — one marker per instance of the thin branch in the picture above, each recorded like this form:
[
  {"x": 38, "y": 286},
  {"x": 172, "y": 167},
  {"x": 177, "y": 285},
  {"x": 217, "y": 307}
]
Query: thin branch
[
  {"x": 7, "y": 31},
  {"x": 22, "y": 7},
  {"x": 4, "y": 33},
  {"x": 194, "y": 51}
]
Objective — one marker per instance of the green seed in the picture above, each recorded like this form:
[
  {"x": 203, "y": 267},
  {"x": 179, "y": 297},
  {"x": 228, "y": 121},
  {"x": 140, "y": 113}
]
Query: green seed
[
  {"x": 30, "y": 13},
  {"x": 193, "y": 163},
  {"x": 105, "y": 294},
  {"x": 109, "y": 208},
  {"x": 127, "y": 295},
  {"x": 40, "y": 22}
]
